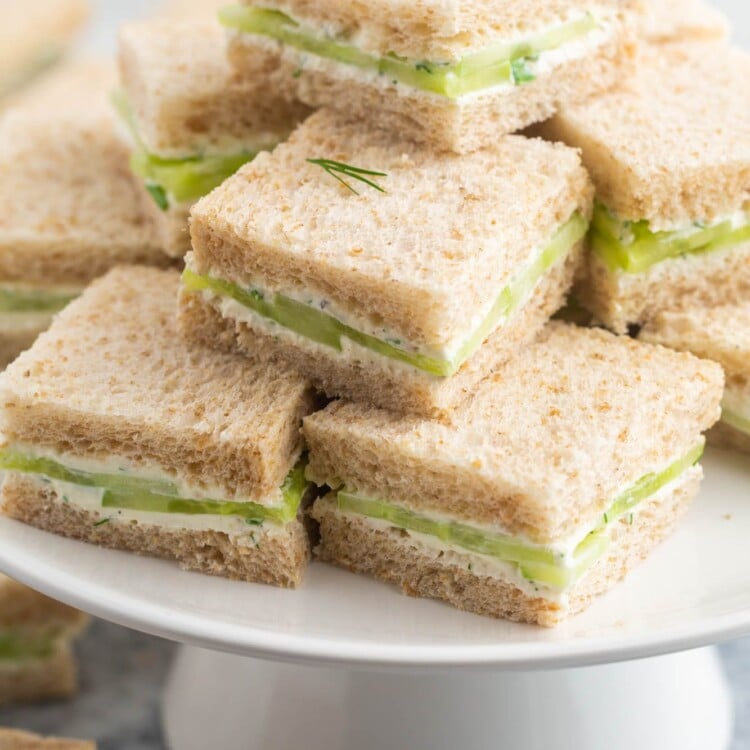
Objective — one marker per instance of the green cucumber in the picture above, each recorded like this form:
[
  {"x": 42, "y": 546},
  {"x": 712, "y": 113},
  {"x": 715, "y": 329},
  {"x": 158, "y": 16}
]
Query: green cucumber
[
  {"x": 19, "y": 646},
  {"x": 535, "y": 562},
  {"x": 498, "y": 64},
  {"x": 130, "y": 492},
  {"x": 322, "y": 328},
  {"x": 735, "y": 420},
  {"x": 634, "y": 248},
  {"x": 18, "y": 300}
]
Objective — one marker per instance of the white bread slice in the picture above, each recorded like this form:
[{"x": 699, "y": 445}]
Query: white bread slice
[
  {"x": 35, "y": 33},
  {"x": 13, "y": 739},
  {"x": 460, "y": 125},
  {"x": 71, "y": 207},
  {"x": 668, "y": 21},
  {"x": 127, "y": 386},
  {"x": 618, "y": 299},
  {"x": 542, "y": 447},
  {"x": 395, "y": 556},
  {"x": 187, "y": 100},
  {"x": 721, "y": 334},
  {"x": 668, "y": 145},
  {"x": 432, "y": 29},
  {"x": 188, "y": 9}
]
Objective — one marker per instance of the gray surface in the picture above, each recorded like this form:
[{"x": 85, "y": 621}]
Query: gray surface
[{"x": 123, "y": 674}]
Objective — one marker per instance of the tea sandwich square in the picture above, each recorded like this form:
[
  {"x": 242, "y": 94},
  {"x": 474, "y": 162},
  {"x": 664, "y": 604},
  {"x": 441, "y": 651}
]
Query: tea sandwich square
[
  {"x": 721, "y": 334},
  {"x": 117, "y": 434},
  {"x": 669, "y": 152},
  {"x": 385, "y": 272},
  {"x": 71, "y": 208},
  {"x": 563, "y": 470},
  {"x": 455, "y": 75},
  {"x": 36, "y": 638},
  {"x": 191, "y": 121}
]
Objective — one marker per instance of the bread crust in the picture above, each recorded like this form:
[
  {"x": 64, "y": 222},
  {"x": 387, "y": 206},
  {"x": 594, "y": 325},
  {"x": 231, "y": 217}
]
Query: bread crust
[
  {"x": 434, "y": 120},
  {"x": 279, "y": 560},
  {"x": 375, "y": 380},
  {"x": 392, "y": 555}
]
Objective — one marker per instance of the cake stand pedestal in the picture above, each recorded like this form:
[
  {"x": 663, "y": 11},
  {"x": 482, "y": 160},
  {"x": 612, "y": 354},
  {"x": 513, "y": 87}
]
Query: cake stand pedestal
[{"x": 676, "y": 702}]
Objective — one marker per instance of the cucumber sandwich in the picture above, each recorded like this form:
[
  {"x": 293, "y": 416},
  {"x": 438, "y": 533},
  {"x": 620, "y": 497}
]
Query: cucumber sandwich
[
  {"x": 190, "y": 120},
  {"x": 453, "y": 75},
  {"x": 560, "y": 473},
  {"x": 71, "y": 208},
  {"x": 384, "y": 271},
  {"x": 34, "y": 36},
  {"x": 669, "y": 153},
  {"x": 721, "y": 334},
  {"x": 137, "y": 442},
  {"x": 36, "y": 636}
]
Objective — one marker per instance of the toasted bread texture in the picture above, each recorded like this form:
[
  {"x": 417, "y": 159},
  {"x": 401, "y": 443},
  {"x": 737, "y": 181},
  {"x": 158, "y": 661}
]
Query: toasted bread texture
[
  {"x": 460, "y": 125},
  {"x": 186, "y": 98},
  {"x": 34, "y": 34},
  {"x": 542, "y": 447},
  {"x": 366, "y": 377},
  {"x": 112, "y": 378},
  {"x": 412, "y": 259},
  {"x": 667, "y": 21},
  {"x": 12, "y": 739},
  {"x": 430, "y": 30},
  {"x": 277, "y": 558},
  {"x": 668, "y": 145},
  {"x": 397, "y": 557},
  {"x": 71, "y": 207},
  {"x": 618, "y": 299}
]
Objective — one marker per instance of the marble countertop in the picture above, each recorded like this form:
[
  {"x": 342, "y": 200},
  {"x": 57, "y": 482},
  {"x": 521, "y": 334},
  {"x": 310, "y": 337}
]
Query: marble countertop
[{"x": 123, "y": 673}]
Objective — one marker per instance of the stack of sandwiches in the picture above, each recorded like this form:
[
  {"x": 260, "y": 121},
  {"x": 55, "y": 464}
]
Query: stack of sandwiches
[
  {"x": 34, "y": 35},
  {"x": 401, "y": 254},
  {"x": 190, "y": 119},
  {"x": 71, "y": 210},
  {"x": 36, "y": 637}
]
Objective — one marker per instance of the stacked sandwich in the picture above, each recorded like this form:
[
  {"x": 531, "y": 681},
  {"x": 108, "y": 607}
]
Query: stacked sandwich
[
  {"x": 402, "y": 252},
  {"x": 36, "y": 634}
]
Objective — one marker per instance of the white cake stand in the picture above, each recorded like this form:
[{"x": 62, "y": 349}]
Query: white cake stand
[{"x": 349, "y": 664}]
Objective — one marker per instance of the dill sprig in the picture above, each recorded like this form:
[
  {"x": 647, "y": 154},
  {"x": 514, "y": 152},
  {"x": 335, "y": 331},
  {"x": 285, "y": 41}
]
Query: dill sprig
[{"x": 337, "y": 168}]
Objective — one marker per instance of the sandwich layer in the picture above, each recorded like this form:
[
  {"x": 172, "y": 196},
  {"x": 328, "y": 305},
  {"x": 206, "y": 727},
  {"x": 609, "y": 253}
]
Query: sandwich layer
[
  {"x": 37, "y": 678},
  {"x": 540, "y": 449},
  {"x": 552, "y": 568},
  {"x": 458, "y": 103},
  {"x": 72, "y": 209},
  {"x": 467, "y": 581},
  {"x": 721, "y": 334},
  {"x": 360, "y": 373},
  {"x": 667, "y": 146},
  {"x": 265, "y": 554}
]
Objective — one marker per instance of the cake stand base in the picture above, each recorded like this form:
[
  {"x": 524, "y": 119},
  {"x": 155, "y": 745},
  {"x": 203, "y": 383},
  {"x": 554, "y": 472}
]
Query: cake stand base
[{"x": 676, "y": 702}]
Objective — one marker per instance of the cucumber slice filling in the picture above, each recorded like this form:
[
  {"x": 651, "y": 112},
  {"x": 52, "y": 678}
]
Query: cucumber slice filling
[
  {"x": 633, "y": 247},
  {"x": 173, "y": 181},
  {"x": 322, "y": 328},
  {"x": 503, "y": 63},
  {"x": 537, "y": 563},
  {"x": 26, "y": 300},
  {"x": 127, "y": 491},
  {"x": 733, "y": 419},
  {"x": 16, "y": 645}
]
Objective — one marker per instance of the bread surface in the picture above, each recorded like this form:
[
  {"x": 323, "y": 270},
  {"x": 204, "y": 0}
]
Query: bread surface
[
  {"x": 667, "y": 21},
  {"x": 543, "y": 446},
  {"x": 112, "y": 378},
  {"x": 12, "y": 739}
]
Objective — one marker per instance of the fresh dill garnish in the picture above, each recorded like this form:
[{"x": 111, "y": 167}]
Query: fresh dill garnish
[
  {"x": 424, "y": 67},
  {"x": 520, "y": 72},
  {"x": 159, "y": 195},
  {"x": 606, "y": 518},
  {"x": 253, "y": 521},
  {"x": 102, "y": 522},
  {"x": 337, "y": 168}
]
